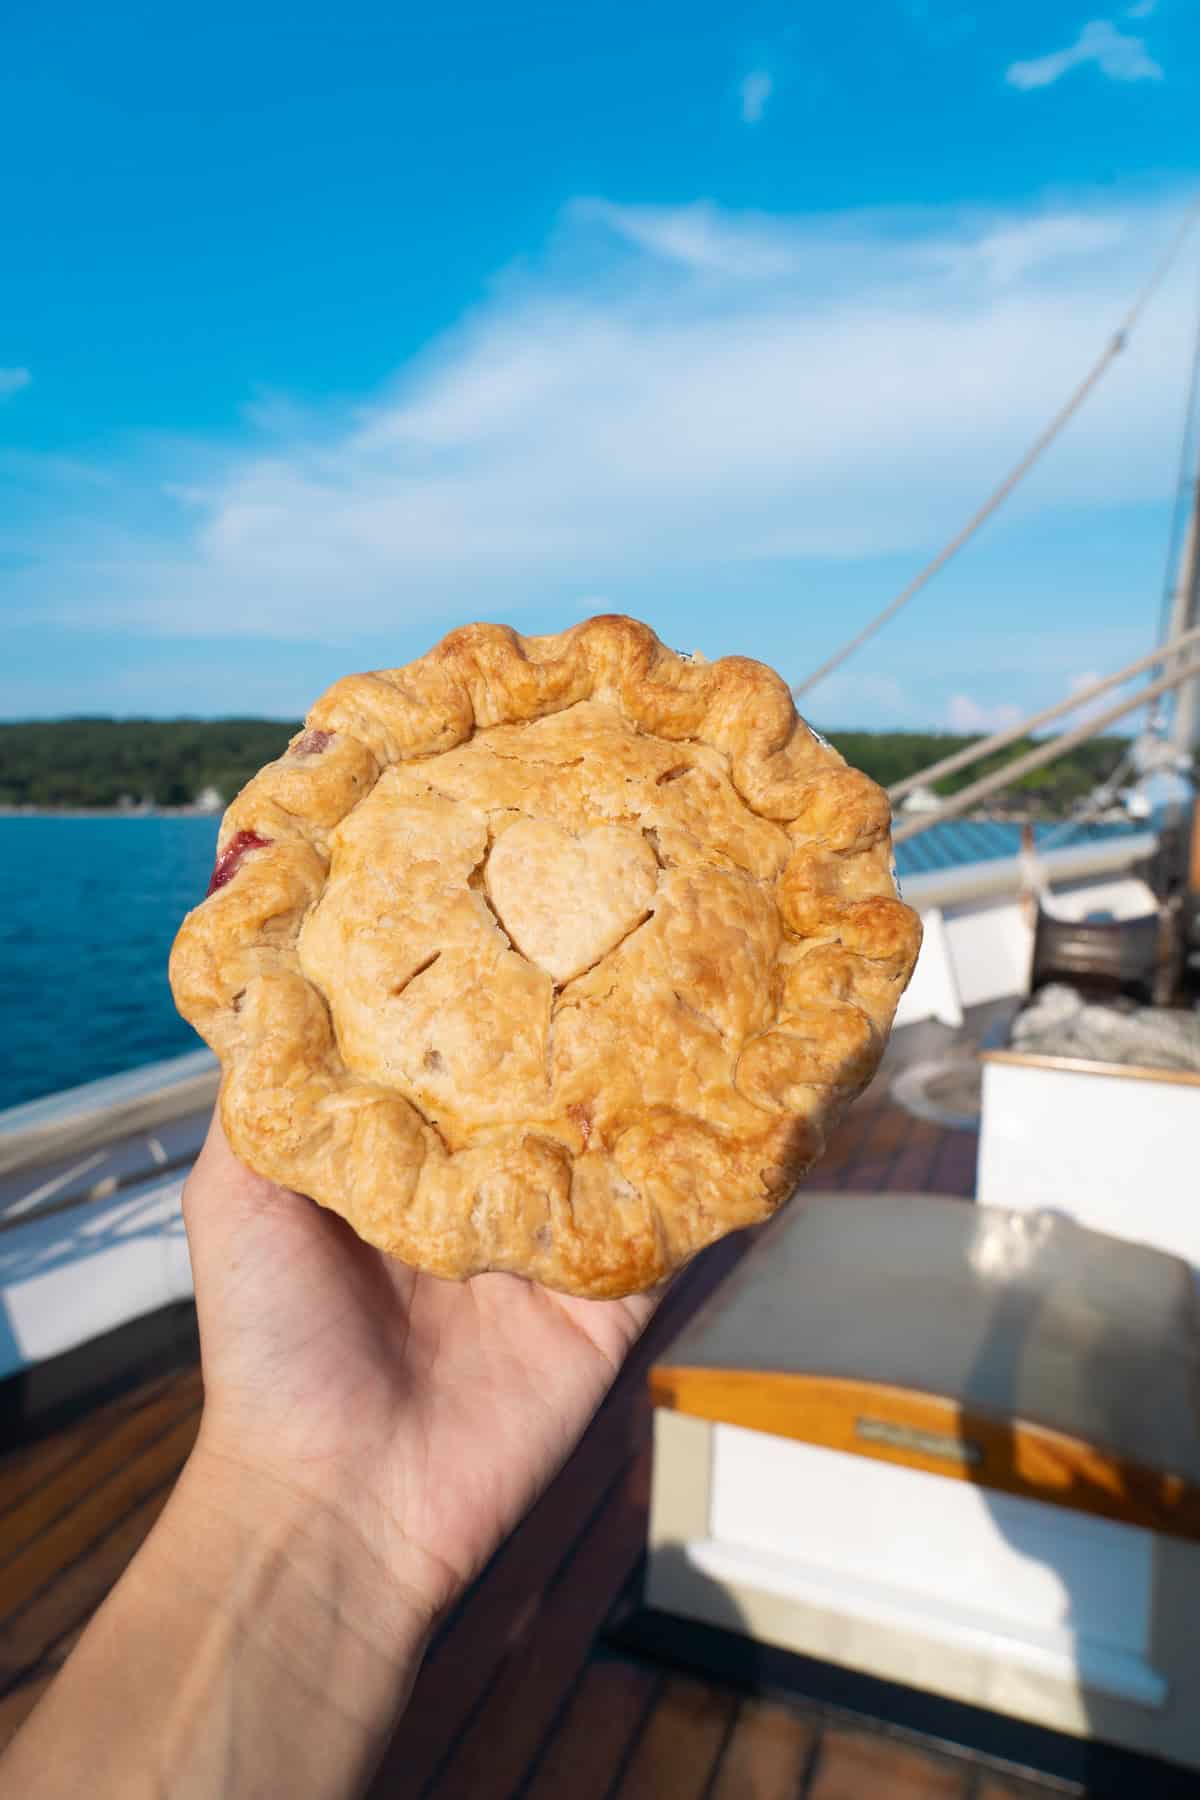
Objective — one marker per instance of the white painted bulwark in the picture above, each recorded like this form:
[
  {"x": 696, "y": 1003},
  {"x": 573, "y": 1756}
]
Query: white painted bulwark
[
  {"x": 1113, "y": 1150},
  {"x": 1036, "y": 1612},
  {"x": 1059, "y": 1592},
  {"x": 933, "y": 991},
  {"x": 69, "y": 1277},
  {"x": 1126, "y": 898},
  {"x": 1003, "y": 877},
  {"x": 100, "y": 1112},
  {"x": 978, "y": 942},
  {"x": 970, "y": 954},
  {"x": 992, "y": 949}
]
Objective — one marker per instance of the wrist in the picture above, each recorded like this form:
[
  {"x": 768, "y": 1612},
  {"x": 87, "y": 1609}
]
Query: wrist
[
  {"x": 303, "y": 1641},
  {"x": 269, "y": 1545},
  {"x": 255, "y": 1644}
]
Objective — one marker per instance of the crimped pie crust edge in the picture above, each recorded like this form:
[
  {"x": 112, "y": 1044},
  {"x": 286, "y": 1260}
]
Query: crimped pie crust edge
[{"x": 519, "y": 1199}]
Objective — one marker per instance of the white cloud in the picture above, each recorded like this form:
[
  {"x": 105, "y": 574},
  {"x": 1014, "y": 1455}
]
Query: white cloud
[
  {"x": 758, "y": 247},
  {"x": 13, "y": 380},
  {"x": 700, "y": 238},
  {"x": 1142, "y": 9},
  {"x": 754, "y": 92},
  {"x": 1077, "y": 684},
  {"x": 1118, "y": 56},
  {"x": 1090, "y": 709},
  {"x": 1013, "y": 249},
  {"x": 669, "y": 397},
  {"x": 967, "y": 714}
]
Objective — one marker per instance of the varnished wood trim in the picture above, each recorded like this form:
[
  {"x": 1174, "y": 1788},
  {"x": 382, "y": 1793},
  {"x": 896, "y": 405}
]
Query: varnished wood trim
[
  {"x": 1082, "y": 1065},
  {"x": 929, "y": 1432}
]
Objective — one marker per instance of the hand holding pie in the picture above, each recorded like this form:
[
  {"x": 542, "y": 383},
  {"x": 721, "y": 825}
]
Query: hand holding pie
[{"x": 557, "y": 955}]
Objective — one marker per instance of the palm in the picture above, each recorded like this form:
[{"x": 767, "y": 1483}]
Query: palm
[{"x": 441, "y": 1409}]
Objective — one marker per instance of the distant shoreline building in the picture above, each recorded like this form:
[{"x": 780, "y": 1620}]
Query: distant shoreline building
[{"x": 920, "y": 800}]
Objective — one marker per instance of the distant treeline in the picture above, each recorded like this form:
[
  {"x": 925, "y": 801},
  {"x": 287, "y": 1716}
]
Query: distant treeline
[
  {"x": 890, "y": 756},
  {"x": 107, "y": 762},
  {"x": 171, "y": 762}
]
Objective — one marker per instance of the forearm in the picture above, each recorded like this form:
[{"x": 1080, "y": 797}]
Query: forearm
[{"x": 254, "y": 1647}]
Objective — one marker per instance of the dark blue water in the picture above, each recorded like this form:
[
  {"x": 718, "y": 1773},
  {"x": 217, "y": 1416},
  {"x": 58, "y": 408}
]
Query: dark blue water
[{"x": 88, "y": 910}]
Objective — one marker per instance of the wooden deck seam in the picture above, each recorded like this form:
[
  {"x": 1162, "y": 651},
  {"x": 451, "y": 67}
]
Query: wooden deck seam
[
  {"x": 722, "y": 1751},
  {"x": 813, "y": 1767},
  {"x": 552, "y": 1730},
  {"x": 630, "y": 1751},
  {"x": 83, "y": 1501},
  {"x": 812, "y": 1760},
  {"x": 97, "y": 1545},
  {"x": 556, "y": 1720},
  {"x": 172, "y": 1417},
  {"x": 170, "y": 1423},
  {"x": 430, "y": 1786},
  {"x": 54, "y": 1456}
]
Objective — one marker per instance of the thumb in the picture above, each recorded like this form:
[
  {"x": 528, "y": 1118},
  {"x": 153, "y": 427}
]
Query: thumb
[{"x": 225, "y": 1204}]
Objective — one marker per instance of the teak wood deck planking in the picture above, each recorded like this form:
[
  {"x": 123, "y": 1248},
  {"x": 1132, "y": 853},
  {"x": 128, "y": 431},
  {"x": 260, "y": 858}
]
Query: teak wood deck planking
[{"x": 523, "y": 1693}]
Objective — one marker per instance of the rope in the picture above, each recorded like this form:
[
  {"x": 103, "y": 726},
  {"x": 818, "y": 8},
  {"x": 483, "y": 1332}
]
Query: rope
[
  {"x": 1000, "y": 740},
  {"x": 1040, "y": 444},
  {"x": 1091, "y": 811},
  {"x": 1046, "y": 753}
]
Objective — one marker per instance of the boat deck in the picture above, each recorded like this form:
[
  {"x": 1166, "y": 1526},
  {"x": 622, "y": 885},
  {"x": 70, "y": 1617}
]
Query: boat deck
[{"x": 548, "y": 1679}]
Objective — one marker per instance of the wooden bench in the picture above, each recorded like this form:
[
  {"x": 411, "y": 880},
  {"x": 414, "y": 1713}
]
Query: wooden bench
[{"x": 950, "y": 1446}]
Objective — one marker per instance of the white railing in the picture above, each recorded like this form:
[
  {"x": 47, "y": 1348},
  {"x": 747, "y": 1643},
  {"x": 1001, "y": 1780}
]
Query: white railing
[
  {"x": 101, "y": 1111},
  {"x": 1004, "y": 877}
]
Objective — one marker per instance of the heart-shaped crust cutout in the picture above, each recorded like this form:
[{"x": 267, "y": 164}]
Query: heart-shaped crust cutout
[{"x": 566, "y": 901}]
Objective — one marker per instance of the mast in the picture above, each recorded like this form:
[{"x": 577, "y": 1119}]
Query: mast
[{"x": 1185, "y": 613}]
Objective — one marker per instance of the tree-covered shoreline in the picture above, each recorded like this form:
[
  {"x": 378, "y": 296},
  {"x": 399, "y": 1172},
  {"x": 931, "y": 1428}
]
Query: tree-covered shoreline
[
  {"x": 102, "y": 764},
  {"x": 105, "y": 764}
]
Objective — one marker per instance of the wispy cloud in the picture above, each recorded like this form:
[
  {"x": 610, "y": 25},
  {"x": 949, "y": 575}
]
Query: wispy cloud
[
  {"x": 13, "y": 380},
  {"x": 967, "y": 714},
  {"x": 1091, "y": 709},
  {"x": 1142, "y": 9},
  {"x": 667, "y": 396},
  {"x": 1012, "y": 250},
  {"x": 1117, "y": 54},
  {"x": 764, "y": 249},
  {"x": 754, "y": 92},
  {"x": 703, "y": 240}
]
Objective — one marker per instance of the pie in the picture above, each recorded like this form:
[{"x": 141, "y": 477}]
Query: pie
[{"x": 560, "y": 955}]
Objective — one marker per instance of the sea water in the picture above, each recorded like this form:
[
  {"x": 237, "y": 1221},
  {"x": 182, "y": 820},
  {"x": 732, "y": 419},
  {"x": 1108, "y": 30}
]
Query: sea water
[{"x": 88, "y": 909}]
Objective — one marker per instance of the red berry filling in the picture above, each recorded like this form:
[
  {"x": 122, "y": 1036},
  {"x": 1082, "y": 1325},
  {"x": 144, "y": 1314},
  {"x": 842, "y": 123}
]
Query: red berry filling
[
  {"x": 312, "y": 743},
  {"x": 231, "y": 856}
]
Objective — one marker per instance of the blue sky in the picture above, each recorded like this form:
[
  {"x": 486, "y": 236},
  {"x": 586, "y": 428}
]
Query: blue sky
[{"x": 322, "y": 330}]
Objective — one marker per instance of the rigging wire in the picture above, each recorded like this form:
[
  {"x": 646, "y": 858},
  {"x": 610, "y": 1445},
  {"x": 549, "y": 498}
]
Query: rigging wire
[
  {"x": 1184, "y": 481},
  {"x": 1044, "y": 753},
  {"x": 1110, "y": 787},
  {"x": 1015, "y": 475},
  {"x": 980, "y": 748}
]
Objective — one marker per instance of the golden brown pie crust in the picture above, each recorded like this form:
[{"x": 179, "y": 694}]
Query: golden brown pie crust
[{"x": 560, "y": 955}]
